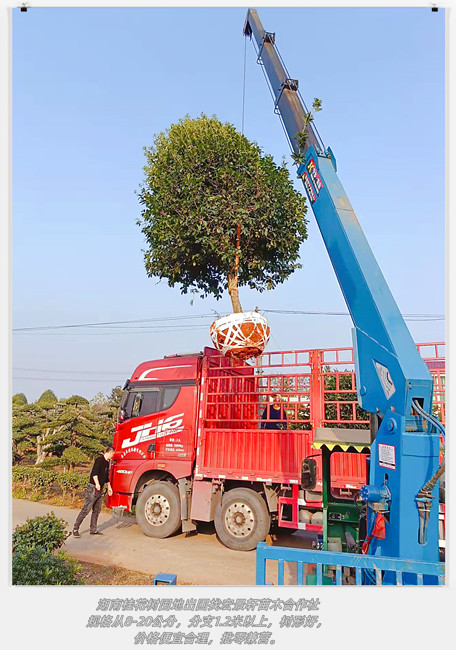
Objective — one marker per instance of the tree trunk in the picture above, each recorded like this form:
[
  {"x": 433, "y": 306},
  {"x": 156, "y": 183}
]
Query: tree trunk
[
  {"x": 41, "y": 447},
  {"x": 40, "y": 453},
  {"x": 234, "y": 293}
]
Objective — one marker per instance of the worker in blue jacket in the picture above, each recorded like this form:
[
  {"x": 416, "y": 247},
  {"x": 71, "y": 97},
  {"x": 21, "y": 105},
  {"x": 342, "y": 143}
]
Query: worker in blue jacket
[{"x": 275, "y": 415}]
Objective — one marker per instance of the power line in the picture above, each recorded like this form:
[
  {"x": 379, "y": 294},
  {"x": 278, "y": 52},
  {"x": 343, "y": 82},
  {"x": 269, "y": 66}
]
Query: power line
[
  {"x": 63, "y": 379},
  {"x": 344, "y": 313},
  {"x": 145, "y": 331},
  {"x": 126, "y": 324},
  {"x": 115, "y": 322},
  {"x": 72, "y": 372}
]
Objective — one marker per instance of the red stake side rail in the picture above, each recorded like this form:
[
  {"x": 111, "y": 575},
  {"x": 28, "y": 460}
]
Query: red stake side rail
[
  {"x": 434, "y": 356},
  {"x": 317, "y": 388},
  {"x": 240, "y": 440}
]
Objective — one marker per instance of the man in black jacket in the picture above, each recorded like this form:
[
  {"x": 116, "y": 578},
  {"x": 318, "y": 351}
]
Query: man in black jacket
[{"x": 93, "y": 494}]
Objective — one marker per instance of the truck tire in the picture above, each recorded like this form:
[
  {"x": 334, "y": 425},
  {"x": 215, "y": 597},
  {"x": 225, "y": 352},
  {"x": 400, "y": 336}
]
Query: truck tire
[
  {"x": 158, "y": 509},
  {"x": 242, "y": 519}
]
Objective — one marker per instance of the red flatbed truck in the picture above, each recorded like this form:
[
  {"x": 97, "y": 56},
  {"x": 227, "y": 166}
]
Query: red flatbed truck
[{"x": 195, "y": 440}]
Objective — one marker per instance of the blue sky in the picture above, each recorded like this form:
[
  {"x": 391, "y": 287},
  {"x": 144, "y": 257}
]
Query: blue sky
[{"x": 91, "y": 87}]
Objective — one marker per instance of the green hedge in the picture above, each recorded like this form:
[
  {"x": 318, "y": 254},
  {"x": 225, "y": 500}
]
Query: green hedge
[
  {"x": 36, "y": 478},
  {"x": 73, "y": 481}
]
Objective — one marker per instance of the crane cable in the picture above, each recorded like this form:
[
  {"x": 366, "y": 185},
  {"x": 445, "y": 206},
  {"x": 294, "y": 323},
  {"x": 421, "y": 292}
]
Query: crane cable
[
  {"x": 243, "y": 86},
  {"x": 238, "y": 229},
  {"x": 429, "y": 486}
]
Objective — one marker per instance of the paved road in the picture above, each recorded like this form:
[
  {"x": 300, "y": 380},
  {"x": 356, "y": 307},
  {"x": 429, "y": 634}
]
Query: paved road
[{"x": 198, "y": 559}]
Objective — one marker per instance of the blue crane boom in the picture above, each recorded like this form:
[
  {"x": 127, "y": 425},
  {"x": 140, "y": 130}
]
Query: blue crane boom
[{"x": 393, "y": 382}]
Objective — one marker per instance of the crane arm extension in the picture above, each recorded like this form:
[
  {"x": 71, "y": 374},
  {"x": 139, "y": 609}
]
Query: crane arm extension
[
  {"x": 387, "y": 360},
  {"x": 391, "y": 377},
  {"x": 287, "y": 101}
]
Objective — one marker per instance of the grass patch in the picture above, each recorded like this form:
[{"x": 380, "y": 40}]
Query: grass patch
[
  {"x": 54, "y": 497},
  {"x": 19, "y": 492}
]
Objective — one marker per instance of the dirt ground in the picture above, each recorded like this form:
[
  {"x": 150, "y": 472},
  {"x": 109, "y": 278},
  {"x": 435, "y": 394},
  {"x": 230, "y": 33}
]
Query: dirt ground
[
  {"x": 196, "y": 560},
  {"x": 99, "y": 574}
]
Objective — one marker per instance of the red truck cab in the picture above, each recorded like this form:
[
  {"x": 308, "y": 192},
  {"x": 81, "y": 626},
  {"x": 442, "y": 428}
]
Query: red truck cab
[{"x": 156, "y": 424}]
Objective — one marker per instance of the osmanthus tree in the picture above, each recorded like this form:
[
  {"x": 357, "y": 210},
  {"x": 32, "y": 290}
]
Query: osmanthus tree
[{"x": 217, "y": 212}]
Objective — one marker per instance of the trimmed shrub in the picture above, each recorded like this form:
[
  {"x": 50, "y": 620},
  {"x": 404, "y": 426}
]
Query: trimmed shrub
[
  {"x": 47, "y": 532},
  {"x": 21, "y": 473},
  {"x": 37, "y": 480},
  {"x": 74, "y": 482},
  {"x": 36, "y": 566},
  {"x": 42, "y": 478},
  {"x": 36, "y": 483},
  {"x": 74, "y": 456},
  {"x": 48, "y": 463}
]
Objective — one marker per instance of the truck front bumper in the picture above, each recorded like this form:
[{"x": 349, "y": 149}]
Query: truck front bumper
[{"x": 119, "y": 500}]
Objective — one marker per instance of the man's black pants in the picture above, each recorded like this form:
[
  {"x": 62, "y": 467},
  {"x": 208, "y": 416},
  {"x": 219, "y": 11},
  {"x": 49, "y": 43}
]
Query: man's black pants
[{"x": 92, "y": 502}]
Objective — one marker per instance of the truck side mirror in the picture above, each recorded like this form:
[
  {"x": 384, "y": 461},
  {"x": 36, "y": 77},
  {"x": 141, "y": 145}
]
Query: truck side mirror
[{"x": 309, "y": 473}]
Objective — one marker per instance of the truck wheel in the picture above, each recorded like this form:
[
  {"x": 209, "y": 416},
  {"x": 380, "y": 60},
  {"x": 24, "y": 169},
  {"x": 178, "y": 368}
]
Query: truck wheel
[
  {"x": 158, "y": 509},
  {"x": 242, "y": 519}
]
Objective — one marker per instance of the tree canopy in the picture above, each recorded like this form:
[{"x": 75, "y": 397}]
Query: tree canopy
[{"x": 217, "y": 212}]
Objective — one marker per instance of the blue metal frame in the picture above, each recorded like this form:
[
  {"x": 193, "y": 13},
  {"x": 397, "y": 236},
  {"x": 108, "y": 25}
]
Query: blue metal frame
[
  {"x": 390, "y": 373},
  {"x": 369, "y": 569}
]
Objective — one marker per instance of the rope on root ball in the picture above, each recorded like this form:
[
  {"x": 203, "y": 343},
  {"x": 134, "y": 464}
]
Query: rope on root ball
[{"x": 241, "y": 336}]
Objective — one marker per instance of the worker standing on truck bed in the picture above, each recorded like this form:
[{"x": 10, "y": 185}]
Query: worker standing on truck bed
[
  {"x": 93, "y": 493},
  {"x": 275, "y": 415}
]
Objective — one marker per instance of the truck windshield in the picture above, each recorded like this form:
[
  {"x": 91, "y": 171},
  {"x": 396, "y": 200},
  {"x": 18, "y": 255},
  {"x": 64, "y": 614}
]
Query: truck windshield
[
  {"x": 137, "y": 403},
  {"x": 138, "y": 400}
]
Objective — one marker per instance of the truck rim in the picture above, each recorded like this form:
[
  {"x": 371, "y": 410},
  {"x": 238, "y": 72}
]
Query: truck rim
[
  {"x": 239, "y": 519},
  {"x": 157, "y": 510}
]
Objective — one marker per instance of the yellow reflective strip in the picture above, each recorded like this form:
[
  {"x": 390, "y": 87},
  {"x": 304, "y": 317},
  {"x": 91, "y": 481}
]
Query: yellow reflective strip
[{"x": 343, "y": 446}]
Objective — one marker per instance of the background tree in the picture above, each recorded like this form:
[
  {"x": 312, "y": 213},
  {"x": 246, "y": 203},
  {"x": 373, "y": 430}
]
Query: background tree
[
  {"x": 50, "y": 427},
  {"x": 77, "y": 428},
  {"x": 114, "y": 397},
  {"x": 26, "y": 426},
  {"x": 44, "y": 430},
  {"x": 99, "y": 402},
  {"x": 48, "y": 397},
  {"x": 105, "y": 408},
  {"x": 32, "y": 425},
  {"x": 217, "y": 212},
  {"x": 19, "y": 399}
]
